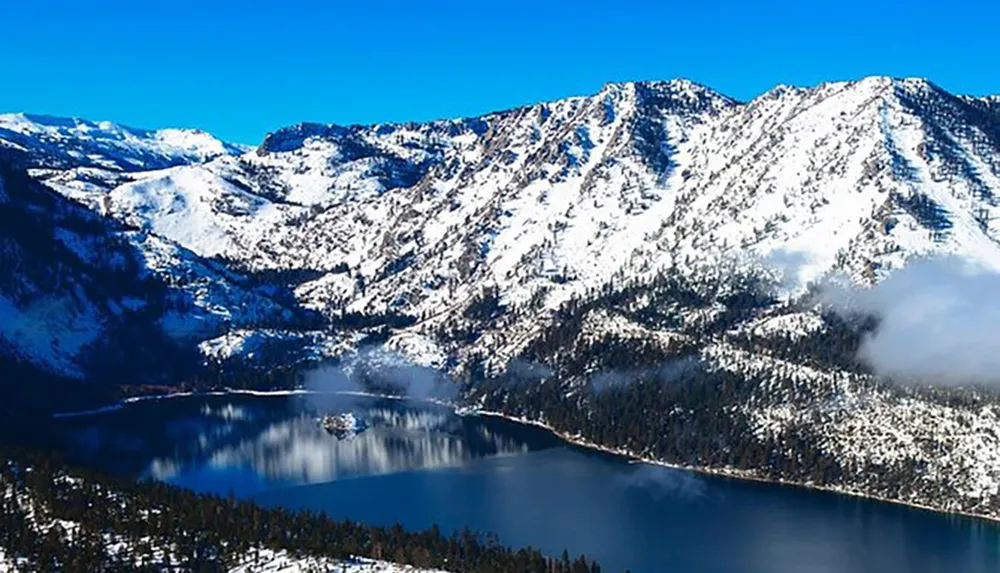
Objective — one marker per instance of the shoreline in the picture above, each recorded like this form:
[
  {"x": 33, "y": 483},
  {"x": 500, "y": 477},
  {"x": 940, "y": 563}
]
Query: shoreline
[
  {"x": 239, "y": 392},
  {"x": 154, "y": 397},
  {"x": 742, "y": 475},
  {"x": 577, "y": 441}
]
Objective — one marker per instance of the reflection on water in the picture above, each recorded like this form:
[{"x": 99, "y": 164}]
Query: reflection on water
[
  {"x": 298, "y": 450},
  {"x": 230, "y": 413},
  {"x": 280, "y": 443},
  {"x": 423, "y": 465},
  {"x": 660, "y": 482}
]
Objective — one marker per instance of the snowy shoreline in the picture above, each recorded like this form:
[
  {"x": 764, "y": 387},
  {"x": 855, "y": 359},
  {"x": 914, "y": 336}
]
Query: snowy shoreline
[
  {"x": 730, "y": 473},
  {"x": 238, "y": 392},
  {"x": 154, "y": 397},
  {"x": 568, "y": 438}
]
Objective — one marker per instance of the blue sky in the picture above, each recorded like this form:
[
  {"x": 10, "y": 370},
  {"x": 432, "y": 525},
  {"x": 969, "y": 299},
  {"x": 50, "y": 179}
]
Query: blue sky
[{"x": 241, "y": 68}]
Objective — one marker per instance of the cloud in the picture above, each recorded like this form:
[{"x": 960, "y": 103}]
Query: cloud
[
  {"x": 520, "y": 373},
  {"x": 939, "y": 322},
  {"x": 414, "y": 380},
  {"x": 670, "y": 371},
  {"x": 604, "y": 381},
  {"x": 788, "y": 268},
  {"x": 381, "y": 371},
  {"x": 329, "y": 378},
  {"x": 663, "y": 482},
  {"x": 526, "y": 370}
]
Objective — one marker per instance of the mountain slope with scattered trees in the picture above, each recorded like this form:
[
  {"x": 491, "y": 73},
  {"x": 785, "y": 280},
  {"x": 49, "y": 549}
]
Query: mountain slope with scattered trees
[{"x": 637, "y": 267}]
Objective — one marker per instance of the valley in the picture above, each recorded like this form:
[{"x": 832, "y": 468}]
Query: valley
[
  {"x": 649, "y": 269},
  {"x": 423, "y": 466}
]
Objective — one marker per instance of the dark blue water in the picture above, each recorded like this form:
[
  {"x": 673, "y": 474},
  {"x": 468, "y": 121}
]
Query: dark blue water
[{"x": 423, "y": 465}]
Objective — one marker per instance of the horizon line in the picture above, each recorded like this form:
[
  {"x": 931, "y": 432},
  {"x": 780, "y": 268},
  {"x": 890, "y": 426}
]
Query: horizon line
[{"x": 736, "y": 101}]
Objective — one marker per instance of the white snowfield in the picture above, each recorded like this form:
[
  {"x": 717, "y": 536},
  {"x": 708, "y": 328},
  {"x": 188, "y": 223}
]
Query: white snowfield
[{"x": 550, "y": 199}]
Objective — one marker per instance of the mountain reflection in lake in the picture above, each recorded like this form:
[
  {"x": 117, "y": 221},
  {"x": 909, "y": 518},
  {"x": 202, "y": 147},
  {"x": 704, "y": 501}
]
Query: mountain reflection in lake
[
  {"x": 422, "y": 465},
  {"x": 253, "y": 443}
]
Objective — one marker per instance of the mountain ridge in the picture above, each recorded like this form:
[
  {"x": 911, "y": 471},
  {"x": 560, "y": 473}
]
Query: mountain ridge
[
  {"x": 137, "y": 149},
  {"x": 656, "y": 251},
  {"x": 679, "y": 81},
  {"x": 673, "y": 153},
  {"x": 321, "y": 171}
]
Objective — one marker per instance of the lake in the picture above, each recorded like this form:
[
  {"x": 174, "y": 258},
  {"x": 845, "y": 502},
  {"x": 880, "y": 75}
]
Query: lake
[{"x": 422, "y": 464}]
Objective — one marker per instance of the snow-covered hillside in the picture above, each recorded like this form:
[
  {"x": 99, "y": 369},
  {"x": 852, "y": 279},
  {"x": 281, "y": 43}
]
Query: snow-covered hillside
[
  {"x": 471, "y": 243},
  {"x": 550, "y": 199},
  {"x": 266, "y": 561},
  {"x": 541, "y": 203},
  {"x": 81, "y": 296},
  {"x": 74, "y": 295},
  {"x": 71, "y": 142}
]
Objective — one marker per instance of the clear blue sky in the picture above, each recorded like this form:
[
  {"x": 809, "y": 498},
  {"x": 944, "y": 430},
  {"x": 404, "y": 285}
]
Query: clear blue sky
[{"x": 241, "y": 68}]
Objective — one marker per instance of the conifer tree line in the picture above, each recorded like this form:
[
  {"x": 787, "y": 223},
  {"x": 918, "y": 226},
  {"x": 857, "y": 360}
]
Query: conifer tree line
[
  {"x": 206, "y": 533},
  {"x": 660, "y": 399}
]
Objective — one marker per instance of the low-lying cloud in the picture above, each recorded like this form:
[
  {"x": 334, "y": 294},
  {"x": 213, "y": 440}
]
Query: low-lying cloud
[
  {"x": 380, "y": 371},
  {"x": 526, "y": 370},
  {"x": 939, "y": 322},
  {"x": 788, "y": 268},
  {"x": 669, "y": 371}
]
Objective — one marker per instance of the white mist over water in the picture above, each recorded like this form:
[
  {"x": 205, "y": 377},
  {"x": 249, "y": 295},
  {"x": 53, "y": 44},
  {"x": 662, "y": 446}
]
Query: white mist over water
[{"x": 378, "y": 370}]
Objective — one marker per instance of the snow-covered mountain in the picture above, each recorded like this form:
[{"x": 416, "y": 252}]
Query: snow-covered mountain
[
  {"x": 541, "y": 203},
  {"x": 557, "y": 197},
  {"x": 76, "y": 301},
  {"x": 474, "y": 241},
  {"x": 84, "y": 298},
  {"x": 71, "y": 142}
]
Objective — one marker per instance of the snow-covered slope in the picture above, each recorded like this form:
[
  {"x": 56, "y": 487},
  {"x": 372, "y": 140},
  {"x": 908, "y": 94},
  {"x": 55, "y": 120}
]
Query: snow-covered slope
[
  {"x": 74, "y": 282},
  {"x": 194, "y": 207},
  {"x": 468, "y": 237},
  {"x": 267, "y": 561},
  {"x": 67, "y": 282},
  {"x": 152, "y": 553},
  {"x": 548, "y": 200},
  {"x": 70, "y": 142},
  {"x": 544, "y": 202}
]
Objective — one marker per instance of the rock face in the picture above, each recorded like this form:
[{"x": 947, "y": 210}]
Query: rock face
[{"x": 582, "y": 241}]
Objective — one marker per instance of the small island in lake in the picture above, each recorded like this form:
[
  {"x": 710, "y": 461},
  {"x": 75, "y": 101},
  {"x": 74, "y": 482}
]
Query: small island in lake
[{"x": 343, "y": 426}]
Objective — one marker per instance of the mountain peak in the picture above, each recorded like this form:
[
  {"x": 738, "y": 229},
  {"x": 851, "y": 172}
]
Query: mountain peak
[
  {"x": 675, "y": 92},
  {"x": 293, "y": 136},
  {"x": 674, "y": 83},
  {"x": 862, "y": 89},
  {"x": 678, "y": 87}
]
